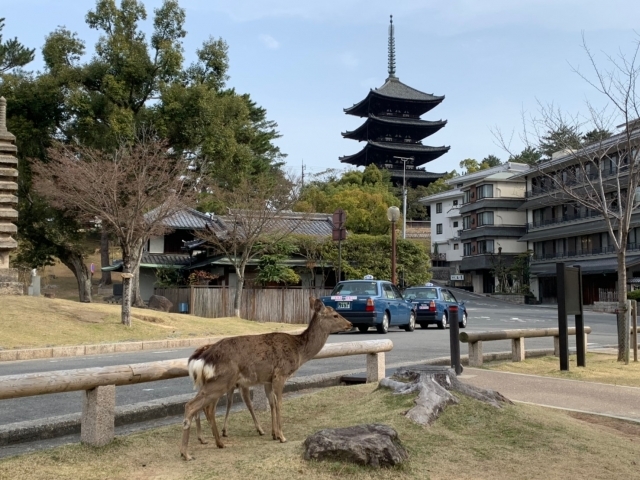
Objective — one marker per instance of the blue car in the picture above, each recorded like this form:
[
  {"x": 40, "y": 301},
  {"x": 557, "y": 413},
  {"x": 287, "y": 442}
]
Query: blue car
[
  {"x": 372, "y": 303},
  {"x": 432, "y": 306}
]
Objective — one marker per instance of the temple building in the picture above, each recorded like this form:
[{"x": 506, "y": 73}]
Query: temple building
[{"x": 393, "y": 130}]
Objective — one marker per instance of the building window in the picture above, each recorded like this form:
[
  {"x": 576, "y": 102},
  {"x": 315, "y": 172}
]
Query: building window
[
  {"x": 466, "y": 249},
  {"x": 466, "y": 222},
  {"x": 456, "y": 246},
  {"x": 438, "y": 207},
  {"x": 439, "y": 229},
  {"x": 466, "y": 197},
  {"x": 484, "y": 191},
  {"x": 485, "y": 218},
  {"x": 455, "y": 224},
  {"x": 455, "y": 203},
  {"x": 459, "y": 185},
  {"x": 485, "y": 246}
]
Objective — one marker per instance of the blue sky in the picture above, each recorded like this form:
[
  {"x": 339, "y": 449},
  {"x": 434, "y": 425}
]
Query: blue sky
[{"x": 305, "y": 61}]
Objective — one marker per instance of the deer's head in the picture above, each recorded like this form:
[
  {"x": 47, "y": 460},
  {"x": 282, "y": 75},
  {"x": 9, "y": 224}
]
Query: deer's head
[{"x": 331, "y": 319}]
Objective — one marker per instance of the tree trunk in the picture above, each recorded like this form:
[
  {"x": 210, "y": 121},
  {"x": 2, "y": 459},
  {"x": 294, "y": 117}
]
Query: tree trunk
[
  {"x": 238, "y": 295},
  {"x": 623, "y": 326},
  {"x": 75, "y": 263},
  {"x": 136, "y": 297},
  {"x": 125, "y": 314},
  {"x": 127, "y": 282},
  {"x": 105, "y": 279}
]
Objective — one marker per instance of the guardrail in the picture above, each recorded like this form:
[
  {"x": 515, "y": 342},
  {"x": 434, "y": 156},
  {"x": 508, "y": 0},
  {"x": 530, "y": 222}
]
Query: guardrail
[
  {"x": 99, "y": 383},
  {"x": 475, "y": 339}
]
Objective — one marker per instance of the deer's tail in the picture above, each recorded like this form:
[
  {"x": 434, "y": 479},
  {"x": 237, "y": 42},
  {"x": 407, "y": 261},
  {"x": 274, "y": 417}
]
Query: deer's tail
[{"x": 200, "y": 371}]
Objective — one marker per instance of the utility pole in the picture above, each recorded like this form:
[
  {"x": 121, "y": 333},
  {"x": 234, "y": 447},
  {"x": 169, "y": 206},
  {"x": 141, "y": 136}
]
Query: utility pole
[
  {"x": 404, "y": 194},
  {"x": 302, "y": 178}
]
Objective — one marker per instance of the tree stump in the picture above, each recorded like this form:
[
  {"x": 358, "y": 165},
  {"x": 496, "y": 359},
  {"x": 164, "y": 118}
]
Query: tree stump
[{"x": 434, "y": 385}]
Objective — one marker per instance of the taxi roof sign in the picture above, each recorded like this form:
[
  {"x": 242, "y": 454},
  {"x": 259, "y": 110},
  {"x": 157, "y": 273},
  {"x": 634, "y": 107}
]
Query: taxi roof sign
[{"x": 369, "y": 277}]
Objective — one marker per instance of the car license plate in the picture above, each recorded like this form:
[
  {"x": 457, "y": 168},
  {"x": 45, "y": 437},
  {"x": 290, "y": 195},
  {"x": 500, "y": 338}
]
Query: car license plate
[
  {"x": 344, "y": 305},
  {"x": 423, "y": 307}
]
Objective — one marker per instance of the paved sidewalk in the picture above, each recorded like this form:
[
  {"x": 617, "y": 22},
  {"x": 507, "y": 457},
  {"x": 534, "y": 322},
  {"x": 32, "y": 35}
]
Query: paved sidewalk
[{"x": 599, "y": 398}]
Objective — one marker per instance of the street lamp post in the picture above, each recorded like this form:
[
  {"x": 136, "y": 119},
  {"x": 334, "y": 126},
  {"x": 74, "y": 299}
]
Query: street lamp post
[
  {"x": 404, "y": 194},
  {"x": 393, "y": 215}
]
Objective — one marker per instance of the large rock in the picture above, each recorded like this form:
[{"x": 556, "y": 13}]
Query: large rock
[
  {"x": 376, "y": 445},
  {"x": 162, "y": 304}
]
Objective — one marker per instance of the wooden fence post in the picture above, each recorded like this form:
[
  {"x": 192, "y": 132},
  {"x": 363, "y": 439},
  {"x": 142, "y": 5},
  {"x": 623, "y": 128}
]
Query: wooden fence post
[{"x": 192, "y": 300}]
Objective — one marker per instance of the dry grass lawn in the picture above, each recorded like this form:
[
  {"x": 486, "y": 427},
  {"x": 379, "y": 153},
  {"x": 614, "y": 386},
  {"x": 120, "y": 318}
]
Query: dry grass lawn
[
  {"x": 600, "y": 368},
  {"x": 469, "y": 441},
  {"x": 29, "y": 322}
]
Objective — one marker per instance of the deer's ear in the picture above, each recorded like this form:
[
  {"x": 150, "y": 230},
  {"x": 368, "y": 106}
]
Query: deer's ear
[
  {"x": 312, "y": 301},
  {"x": 316, "y": 305}
]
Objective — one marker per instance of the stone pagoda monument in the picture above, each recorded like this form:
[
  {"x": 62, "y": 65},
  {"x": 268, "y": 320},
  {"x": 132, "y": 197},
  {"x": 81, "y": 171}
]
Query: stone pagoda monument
[
  {"x": 9, "y": 284},
  {"x": 393, "y": 130}
]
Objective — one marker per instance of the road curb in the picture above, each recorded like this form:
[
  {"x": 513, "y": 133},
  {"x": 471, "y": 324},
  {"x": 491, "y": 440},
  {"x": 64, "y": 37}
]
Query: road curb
[{"x": 108, "y": 348}]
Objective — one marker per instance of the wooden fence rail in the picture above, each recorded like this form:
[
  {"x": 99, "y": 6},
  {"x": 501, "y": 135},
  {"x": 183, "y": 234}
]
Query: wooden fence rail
[
  {"x": 284, "y": 305},
  {"x": 98, "y": 411},
  {"x": 475, "y": 339}
]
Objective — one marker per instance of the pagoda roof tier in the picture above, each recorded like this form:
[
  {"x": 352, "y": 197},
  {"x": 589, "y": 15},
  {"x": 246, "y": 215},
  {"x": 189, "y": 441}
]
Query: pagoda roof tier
[
  {"x": 395, "y": 96},
  {"x": 376, "y": 127},
  {"x": 382, "y": 153}
]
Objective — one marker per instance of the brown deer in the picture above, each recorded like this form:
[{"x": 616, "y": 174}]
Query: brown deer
[{"x": 268, "y": 359}]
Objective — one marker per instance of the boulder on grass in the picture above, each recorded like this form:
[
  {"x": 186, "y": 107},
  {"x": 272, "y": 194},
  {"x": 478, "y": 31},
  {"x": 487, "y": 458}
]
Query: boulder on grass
[
  {"x": 376, "y": 445},
  {"x": 162, "y": 304}
]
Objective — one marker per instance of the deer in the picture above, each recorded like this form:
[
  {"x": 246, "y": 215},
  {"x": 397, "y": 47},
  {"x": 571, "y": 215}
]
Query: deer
[{"x": 268, "y": 359}]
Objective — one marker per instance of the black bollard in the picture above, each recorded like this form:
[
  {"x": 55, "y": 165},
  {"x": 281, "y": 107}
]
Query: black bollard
[{"x": 454, "y": 339}]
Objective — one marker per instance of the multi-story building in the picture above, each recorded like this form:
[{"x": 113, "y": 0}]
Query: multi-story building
[
  {"x": 491, "y": 222},
  {"x": 561, "y": 230},
  {"x": 446, "y": 226},
  {"x": 476, "y": 225}
]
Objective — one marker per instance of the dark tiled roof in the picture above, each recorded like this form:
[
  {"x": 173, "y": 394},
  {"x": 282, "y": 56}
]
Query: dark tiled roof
[
  {"x": 188, "y": 218},
  {"x": 394, "y": 88},
  {"x": 374, "y": 125},
  {"x": 395, "y": 91},
  {"x": 155, "y": 260},
  {"x": 421, "y": 174},
  {"x": 421, "y": 153},
  {"x": 314, "y": 224}
]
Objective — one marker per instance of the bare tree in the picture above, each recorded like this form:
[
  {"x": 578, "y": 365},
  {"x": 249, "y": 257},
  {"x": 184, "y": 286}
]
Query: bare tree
[
  {"x": 131, "y": 191},
  {"x": 603, "y": 174},
  {"x": 253, "y": 222}
]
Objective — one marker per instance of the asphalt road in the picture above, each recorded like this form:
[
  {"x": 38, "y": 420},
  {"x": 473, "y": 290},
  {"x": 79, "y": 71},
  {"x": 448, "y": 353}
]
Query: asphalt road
[{"x": 484, "y": 314}]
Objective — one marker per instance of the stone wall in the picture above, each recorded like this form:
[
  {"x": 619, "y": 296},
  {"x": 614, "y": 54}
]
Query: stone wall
[{"x": 513, "y": 298}]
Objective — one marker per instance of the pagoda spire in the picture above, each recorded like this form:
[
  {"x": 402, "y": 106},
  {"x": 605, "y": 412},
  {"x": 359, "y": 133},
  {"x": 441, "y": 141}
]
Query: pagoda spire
[{"x": 392, "y": 50}]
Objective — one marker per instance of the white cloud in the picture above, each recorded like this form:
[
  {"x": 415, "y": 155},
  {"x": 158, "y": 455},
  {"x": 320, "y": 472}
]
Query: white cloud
[
  {"x": 349, "y": 60},
  {"x": 269, "y": 42}
]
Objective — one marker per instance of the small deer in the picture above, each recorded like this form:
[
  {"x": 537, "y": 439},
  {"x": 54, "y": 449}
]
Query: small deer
[{"x": 268, "y": 359}]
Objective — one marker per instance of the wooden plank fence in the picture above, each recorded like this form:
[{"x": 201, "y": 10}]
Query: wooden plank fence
[
  {"x": 607, "y": 295},
  {"x": 284, "y": 305}
]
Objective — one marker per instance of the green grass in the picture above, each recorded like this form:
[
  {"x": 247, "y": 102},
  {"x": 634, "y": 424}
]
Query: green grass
[{"x": 469, "y": 441}]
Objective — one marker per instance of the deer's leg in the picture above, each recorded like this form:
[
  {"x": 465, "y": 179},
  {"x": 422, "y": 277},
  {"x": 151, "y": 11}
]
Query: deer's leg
[
  {"x": 246, "y": 396},
  {"x": 272, "y": 404},
  {"x": 278, "y": 387},
  {"x": 209, "y": 394},
  {"x": 199, "y": 429},
  {"x": 226, "y": 417}
]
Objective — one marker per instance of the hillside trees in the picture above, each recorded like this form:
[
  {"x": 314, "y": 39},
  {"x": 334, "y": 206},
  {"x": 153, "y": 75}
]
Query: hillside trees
[
  {"x": 130, "y": 80},
  {"x": 365, "y": 196}
]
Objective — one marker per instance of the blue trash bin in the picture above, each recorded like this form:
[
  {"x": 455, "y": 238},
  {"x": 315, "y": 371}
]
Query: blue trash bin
[{"x": 183, "y": 307}]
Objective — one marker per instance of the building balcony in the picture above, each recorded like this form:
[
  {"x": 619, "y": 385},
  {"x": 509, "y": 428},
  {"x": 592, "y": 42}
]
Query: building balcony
[
  {"x": 537, "y": 191},
  {"x": 561, "y": 220},
  {"x": 631, "y": 247}
]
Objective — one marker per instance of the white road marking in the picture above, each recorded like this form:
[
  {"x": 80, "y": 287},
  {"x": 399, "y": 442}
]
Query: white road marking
[{"x": 147, "y": 389}]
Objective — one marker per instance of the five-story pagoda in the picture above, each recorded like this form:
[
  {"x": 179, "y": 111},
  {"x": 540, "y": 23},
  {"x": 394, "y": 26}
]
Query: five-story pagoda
[{"x": 394, "y": 130}]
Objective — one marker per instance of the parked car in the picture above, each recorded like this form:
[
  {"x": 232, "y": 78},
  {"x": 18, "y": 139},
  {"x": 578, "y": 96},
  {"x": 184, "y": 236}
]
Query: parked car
[
  {"x": 432, "y": 306},
  {"x": 372, "y": 303}
]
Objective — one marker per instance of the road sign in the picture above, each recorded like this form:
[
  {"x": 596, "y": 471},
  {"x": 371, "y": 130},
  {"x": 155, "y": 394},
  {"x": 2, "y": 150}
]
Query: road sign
[
  {"x": 459, "y": 277},
  {"x": 339, "y": 218}
]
